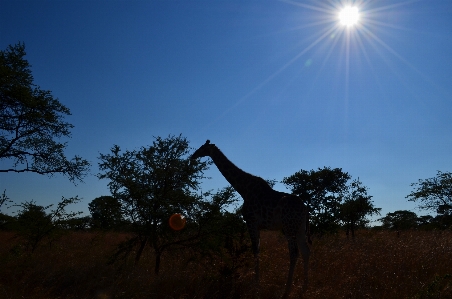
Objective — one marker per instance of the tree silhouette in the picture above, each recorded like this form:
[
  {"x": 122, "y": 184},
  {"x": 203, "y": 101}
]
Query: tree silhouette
[
  {"x": 332, "y": 200},
  {"x": 400, "y": 220},
  {"x": 105, "y": 212},
  {"x": 35, "y": 224},
  {"x": 151, "y": 184},
  {"x": 435, "y": 193},
  {"x": 32, "y": 122},
  {"x": 323, "y": 191},
  {"x": 356, "y": 207}
]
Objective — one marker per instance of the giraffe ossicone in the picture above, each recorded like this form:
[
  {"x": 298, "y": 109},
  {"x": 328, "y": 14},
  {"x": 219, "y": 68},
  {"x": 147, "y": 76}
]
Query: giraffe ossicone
[{"x": 265, "y": 208}]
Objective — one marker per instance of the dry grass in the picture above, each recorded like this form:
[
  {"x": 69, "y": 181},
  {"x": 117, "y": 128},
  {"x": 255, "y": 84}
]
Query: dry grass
[{"x": 417, "y": 264}]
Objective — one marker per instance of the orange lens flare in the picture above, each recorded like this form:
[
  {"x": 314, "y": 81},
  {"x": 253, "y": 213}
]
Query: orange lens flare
[{"x": 177, "y": 221}]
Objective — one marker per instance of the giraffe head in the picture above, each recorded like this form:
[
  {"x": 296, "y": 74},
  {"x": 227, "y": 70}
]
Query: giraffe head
[{"x": 203, "y": 151}]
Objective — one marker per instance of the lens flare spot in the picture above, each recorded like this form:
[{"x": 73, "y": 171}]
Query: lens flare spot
[{"x": 177, "y": 221}]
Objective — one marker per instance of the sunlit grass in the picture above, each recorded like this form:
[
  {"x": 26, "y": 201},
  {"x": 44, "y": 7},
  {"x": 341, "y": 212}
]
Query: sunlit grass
[{"x": 374, "y": 265}]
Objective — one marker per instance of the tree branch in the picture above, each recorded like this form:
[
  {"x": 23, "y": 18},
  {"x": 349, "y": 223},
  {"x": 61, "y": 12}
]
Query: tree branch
[{"x": 30, "y": 170}]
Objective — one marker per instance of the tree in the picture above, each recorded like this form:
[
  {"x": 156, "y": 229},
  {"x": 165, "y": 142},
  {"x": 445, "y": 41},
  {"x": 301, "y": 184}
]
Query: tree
[
  {"x": 323, "y": 191},
  {"x": 400, "y": 220},
  {"x": 32, "y": 122},
  {"x": 435, "y": 193},
  {"x": 4, "y": 199},
  {"x": 76, "y": 223},
  {"x": 425, "y": 221},
  {"x": 5, "y": 220},
  {"x": 223, "y": 237},
  {"x": 35, "y": 224},
  {"x": 105, "y": 212},
  {"x": 151, "y": 184},
  {"x": 356, "y": 206}
]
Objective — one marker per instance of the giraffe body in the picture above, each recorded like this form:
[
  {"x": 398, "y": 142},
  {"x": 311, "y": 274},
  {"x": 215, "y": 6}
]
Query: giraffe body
[{"x": 265, "y": 208}]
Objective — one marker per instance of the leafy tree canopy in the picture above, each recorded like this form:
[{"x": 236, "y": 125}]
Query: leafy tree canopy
[
  {"x": 399, "y": 220},
  {"x": 435, "y": 193},
  {"x": 332, "y": 199},
  {"x": 356, "y": 207},
  {"x": 323, "y": 191},
  {"x": 35, "y": 224},
  {"x": 32, "y": 122},
  {"x": 105, "y": 212},
  {"x": 151, "y": 184}
]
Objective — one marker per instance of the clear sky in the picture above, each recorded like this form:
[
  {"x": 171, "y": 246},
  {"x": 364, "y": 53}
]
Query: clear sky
[{"x": 278, "y": 86}]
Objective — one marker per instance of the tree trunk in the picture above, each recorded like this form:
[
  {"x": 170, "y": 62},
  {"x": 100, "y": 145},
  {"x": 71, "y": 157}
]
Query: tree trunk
[{"x": 140, "y": 250}]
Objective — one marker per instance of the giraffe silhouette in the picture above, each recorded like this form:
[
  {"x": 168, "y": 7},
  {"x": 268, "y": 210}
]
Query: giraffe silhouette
[{"x": 265, "y": 208}]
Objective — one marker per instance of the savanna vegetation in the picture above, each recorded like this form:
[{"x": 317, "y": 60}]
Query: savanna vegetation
[
  {"x": 375, "y": 264},
  {"x": 126, "y": 248}
]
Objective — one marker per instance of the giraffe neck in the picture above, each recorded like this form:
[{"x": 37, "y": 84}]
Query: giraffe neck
[{"x": 238, "y": 178}]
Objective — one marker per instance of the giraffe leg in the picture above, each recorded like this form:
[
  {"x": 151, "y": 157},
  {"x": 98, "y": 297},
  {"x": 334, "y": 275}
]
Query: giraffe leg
[
  {"x": 293, "y": 252},
  {"x": 305, "y": 252},
  {"x": 255, "y": 240}
]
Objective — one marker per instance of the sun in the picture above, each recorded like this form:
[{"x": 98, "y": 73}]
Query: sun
[{"x": 349, "y": 16}]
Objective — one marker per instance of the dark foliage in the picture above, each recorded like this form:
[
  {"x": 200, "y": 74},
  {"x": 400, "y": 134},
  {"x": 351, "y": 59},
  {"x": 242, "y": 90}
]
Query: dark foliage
[
  {"x": 153, "y": 183},
  {"x": 332, "y": 200},
  {"x": 400, "y": 220},
  {"x": 435, "y": 194},
  {"x": 106, "y": 213},
  {"x": 32, "y": 122},
  {"x": 34, "y": 224}
]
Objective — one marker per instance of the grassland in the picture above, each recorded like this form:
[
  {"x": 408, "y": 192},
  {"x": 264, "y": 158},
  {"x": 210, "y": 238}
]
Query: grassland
[{"x": 376, "y": 264}]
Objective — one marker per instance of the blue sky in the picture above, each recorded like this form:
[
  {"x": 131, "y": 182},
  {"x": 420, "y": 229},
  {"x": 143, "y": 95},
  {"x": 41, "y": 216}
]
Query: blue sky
[{"x": 278, "y": 86}]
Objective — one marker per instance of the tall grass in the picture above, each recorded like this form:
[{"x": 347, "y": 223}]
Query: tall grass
[{"x": 417, "y": 264}]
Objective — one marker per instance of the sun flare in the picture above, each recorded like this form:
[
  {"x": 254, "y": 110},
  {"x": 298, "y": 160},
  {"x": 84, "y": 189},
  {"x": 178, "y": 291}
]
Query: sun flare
[
  {"x": 349, "y": 16},
  {"x": 177, "y": 221}
]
